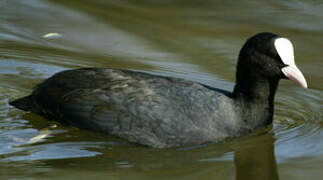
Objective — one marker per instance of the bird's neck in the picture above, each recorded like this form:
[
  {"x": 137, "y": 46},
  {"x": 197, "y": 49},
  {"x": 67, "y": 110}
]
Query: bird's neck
[{"x": 256, "y": 96}]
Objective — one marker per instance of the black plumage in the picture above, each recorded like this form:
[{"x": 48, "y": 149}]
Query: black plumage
[{"x": 164, "y": 111}]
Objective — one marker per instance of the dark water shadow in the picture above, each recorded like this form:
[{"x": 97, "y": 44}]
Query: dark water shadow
[{"x": 257, "y": 161}]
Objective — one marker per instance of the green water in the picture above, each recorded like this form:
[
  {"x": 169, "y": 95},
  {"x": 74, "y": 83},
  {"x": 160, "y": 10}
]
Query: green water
[{"x": 195, "y": 40}]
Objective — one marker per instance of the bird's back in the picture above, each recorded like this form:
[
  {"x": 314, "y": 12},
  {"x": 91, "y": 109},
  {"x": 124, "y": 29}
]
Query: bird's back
[{"x": 143, "y": 108}]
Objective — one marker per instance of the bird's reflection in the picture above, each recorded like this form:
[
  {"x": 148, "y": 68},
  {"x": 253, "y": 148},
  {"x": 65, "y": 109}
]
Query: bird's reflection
[
  {"x": 257, "y": 160},
  {"x": 244, "y": 158}
]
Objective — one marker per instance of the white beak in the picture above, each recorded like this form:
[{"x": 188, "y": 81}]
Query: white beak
[
  {"x": 285, "y": 50},
  {"x": 294, "y": 74}
]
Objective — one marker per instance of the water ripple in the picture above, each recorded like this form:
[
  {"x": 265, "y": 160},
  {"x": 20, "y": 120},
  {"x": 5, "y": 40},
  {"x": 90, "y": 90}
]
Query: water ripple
[{"x": 298, "y": 123}]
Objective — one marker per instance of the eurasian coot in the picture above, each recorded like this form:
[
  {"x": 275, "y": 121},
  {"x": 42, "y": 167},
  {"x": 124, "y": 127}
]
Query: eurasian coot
[{"x": 164, "y": 111}]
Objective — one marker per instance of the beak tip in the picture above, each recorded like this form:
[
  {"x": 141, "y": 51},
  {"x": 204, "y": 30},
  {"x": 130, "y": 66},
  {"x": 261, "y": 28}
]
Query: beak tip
[
  {"x": 294, "y": 74},
  {"x": 302, "y": 82}
]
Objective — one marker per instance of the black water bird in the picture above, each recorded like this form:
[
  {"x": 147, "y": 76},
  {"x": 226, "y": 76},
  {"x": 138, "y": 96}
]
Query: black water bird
[{"x": 164, "y": 111}]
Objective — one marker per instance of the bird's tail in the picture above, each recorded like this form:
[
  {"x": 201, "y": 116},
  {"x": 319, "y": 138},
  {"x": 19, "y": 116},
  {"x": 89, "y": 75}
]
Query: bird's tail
[{"x": 25, "y": 103}]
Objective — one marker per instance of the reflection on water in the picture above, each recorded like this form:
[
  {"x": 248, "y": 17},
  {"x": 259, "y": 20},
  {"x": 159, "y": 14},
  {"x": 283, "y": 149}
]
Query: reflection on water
[
  {"x": 257, "y": 161},
  {"x": 188, "y": 39}
]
